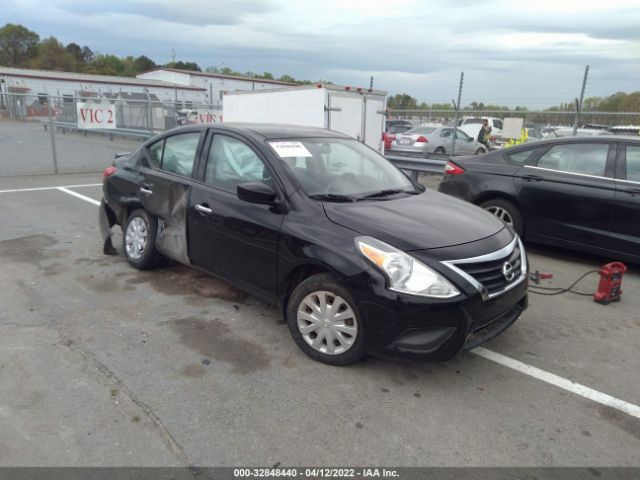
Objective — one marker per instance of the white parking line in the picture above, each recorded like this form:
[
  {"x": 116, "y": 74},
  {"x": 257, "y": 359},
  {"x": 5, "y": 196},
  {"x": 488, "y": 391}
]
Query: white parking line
[
  {"x": 560, "y": 382},
  {"x": 79, "y": 195},
  {"x": 49, "y": 188},
  {"x": 517, "y": 365}
]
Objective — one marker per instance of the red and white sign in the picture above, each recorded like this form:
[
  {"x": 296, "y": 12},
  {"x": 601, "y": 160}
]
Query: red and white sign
[{"x": 96, "y": 115}]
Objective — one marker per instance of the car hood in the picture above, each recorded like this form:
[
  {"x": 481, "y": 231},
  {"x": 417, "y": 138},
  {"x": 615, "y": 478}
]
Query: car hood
[{"x": 416, "y": 222}]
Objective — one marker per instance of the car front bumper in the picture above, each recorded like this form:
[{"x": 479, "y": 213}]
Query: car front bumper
[{"x": 413, "y": 326}]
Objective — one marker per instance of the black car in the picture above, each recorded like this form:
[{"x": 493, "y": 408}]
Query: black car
[
  {"x": 358, "y": 256},
  {"x": 577, "y": 192}
]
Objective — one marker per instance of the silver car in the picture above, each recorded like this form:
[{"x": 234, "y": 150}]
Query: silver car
[{"x": 426, "y": 141}]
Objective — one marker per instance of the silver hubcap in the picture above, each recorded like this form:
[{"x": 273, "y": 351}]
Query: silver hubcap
[
  {"x": 136, "y": 238},
  {"x": 327, "y": 323},
  {"x": 501, "y": 213}
]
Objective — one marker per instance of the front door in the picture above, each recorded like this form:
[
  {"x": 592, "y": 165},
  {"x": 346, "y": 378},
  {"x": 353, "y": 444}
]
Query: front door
[
  {"x": 625, "y": 226},
  {"x": 568, "y": 193},
  {"x": 228, "y": 236}
]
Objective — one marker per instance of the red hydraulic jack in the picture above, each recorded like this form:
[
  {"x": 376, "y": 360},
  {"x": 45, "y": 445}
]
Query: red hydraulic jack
[{"x": 609, "y": 288}]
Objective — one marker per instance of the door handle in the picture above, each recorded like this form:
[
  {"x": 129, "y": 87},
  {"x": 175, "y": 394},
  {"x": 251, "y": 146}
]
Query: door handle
[
  {"x": 203, "y": 209},
  {"x": 532, "y": 178},
  {"x": 146, "y": 191}
]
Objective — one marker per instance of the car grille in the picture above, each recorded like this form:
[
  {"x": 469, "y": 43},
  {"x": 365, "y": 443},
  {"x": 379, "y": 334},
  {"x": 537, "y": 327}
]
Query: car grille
[{"x": 491, "y": 273}]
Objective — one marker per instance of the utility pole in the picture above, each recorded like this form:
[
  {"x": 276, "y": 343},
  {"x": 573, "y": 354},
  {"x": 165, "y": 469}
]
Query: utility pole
[
  {"x": 173, "y": 55},
  {"x": 455, "y": 122},
  {"x": 371, "y": 83},
  {"x": 579, "y": 102}
]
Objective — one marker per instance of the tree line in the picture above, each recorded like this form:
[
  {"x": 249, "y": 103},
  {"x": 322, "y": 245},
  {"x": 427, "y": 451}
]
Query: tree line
[{"x": 23, "y": 48}]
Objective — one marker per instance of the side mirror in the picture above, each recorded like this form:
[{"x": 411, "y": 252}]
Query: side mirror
[
  {"x": 256, "y": 192},
  {"x": 469, "y": 139}
]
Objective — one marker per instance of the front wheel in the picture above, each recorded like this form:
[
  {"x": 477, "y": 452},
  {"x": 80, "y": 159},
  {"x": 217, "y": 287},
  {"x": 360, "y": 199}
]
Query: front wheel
[
  {"x": 324, "y": 321},
  {"x": 505, "y": 211},
  {"x": 480, "y": 151}
]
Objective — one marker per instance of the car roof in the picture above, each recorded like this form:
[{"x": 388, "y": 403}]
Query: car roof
[
  {"x": 590, "y": 139},
  {"x": 265, "y": 131}
]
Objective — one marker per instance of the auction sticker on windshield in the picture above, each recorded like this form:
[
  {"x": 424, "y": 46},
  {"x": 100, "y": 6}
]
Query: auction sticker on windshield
[{"x": 290, "y": 149}]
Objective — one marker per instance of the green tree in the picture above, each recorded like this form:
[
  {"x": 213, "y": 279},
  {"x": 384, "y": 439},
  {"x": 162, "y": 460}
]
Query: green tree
[
  {"x": 52, "y": 55},
  {"x": 184, "y": 66},
  {"x": 18, "y": 45},
  {"x": 143, "y": 63},
  {"x": 107, "y": 65}
]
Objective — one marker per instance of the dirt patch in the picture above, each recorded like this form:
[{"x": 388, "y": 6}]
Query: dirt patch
[
  {"x": 29, "y": 250},
  {"x": 194, "y": 370},
  {"x": 213, "y": 339},
  {"x": 182, "y": 280}
]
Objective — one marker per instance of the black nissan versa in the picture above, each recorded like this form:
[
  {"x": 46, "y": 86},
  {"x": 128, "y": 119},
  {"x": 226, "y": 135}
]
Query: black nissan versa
[{"x": 358, "y": 256}]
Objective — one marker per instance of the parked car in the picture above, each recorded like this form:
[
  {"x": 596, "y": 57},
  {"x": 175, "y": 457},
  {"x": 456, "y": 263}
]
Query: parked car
[
  {"x": 392, "y": 130},
  {"x": 425, "y": 141},
  {"x": 580, "y": 193},
  {"x": 357, "y": 256}
]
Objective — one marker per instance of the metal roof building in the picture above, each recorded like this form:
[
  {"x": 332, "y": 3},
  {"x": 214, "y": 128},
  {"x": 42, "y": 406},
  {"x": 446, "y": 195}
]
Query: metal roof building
[{"x": 63, "y": 84}]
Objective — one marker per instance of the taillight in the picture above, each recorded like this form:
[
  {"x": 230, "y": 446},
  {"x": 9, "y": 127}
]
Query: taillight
[
  {"x": 108, "y": 172},
  {"x": 422, "y": 139},
  {"x": 452, "y": 169},
  {"x": 392, "y": 136}
]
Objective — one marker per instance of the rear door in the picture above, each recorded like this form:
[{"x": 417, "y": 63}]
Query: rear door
[
  {"x": 374, "y": 122},
  {"x": 625, "y": 226},
  {"x": 346, "y": 115},
  {"x": 568, "y": 193},
  {"x": 164, "y": 184},
  {"x": 227, "y": 236}
]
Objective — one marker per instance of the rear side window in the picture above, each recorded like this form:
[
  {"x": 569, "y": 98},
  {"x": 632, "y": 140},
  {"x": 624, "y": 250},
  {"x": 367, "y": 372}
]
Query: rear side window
[
  {"x": 521, "y": 157},
  {"x": 180, "y": 152},
  {"x": 582, "y": 158},
  {"x": 633, "y": 163},
  {"x": 497, "y": 124},
  {"x": 232, "y": 162}
]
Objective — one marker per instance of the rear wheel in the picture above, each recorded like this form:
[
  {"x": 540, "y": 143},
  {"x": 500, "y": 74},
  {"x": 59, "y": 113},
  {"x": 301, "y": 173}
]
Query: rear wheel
[
  {"x": 139, "y": 240},
  {"x": 505, "y": 211},
  {"x": 439, "y": 150},
  {"x": 480, "y": 151},
  {"x": 324, "y": 321}
]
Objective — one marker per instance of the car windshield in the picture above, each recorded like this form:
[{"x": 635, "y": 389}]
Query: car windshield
[
  {"x": 421, "y": 130},
  {"x": 337, "y": 169}
]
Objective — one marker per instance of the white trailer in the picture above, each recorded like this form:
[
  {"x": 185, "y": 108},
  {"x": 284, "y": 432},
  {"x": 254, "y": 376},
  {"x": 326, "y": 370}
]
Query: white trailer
[{"x": 357, "y": 112}]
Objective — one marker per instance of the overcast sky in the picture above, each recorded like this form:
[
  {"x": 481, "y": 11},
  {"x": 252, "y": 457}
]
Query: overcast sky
[{"x": 530, "y": 53}]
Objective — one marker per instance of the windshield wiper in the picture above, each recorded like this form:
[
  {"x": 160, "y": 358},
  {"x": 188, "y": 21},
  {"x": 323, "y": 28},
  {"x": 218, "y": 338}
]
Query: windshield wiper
[
  {"x": 386, "y": 193},
  {"x": 332, "y": 197}
]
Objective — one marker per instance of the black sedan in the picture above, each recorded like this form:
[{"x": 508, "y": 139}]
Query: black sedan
[
  {"x": 581, "y": 193},
  {"x": 357, "y": 255}
]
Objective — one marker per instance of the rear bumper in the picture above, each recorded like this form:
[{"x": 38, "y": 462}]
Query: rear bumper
[{"x": 106, "y": 219}]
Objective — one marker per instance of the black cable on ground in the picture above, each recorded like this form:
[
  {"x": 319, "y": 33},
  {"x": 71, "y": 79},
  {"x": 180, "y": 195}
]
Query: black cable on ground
[{"x": 560, "y": 290}]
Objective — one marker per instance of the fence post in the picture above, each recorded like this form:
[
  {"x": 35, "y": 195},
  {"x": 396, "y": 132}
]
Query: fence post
[
  {"x": 53, "y": 137},
  {"x": 455, "y": 121},
  {"x": 579, "y": 102}
]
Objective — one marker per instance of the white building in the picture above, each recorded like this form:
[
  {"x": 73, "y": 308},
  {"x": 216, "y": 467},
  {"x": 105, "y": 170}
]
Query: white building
[
  {"x": 41, "y": 83},
  {"x": 214, "y": 84}
]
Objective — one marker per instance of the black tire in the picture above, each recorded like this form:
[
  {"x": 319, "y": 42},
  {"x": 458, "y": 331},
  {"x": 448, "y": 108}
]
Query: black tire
[
  {"x": 439, "y": 150},
  {"x": 508, "y": 207},
  {"x": 325, "y": 282},
  {"x": 150, "y": 257},
  {"x": 480, "y": 151}
]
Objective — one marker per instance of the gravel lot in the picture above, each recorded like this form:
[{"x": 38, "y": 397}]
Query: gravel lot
[{"x": 101, "y": 364}]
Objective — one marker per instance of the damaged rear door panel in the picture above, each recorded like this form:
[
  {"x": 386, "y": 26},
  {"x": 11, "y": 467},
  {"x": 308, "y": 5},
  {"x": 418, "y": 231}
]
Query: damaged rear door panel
[{"x": 164, "y": 184}]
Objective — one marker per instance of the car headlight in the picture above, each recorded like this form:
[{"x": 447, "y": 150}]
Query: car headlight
[{"x": 405, "y": 273}]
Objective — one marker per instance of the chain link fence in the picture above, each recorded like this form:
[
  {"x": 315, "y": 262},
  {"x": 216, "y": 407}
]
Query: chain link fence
[{"x": 42, "y": 134}]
